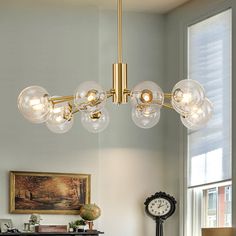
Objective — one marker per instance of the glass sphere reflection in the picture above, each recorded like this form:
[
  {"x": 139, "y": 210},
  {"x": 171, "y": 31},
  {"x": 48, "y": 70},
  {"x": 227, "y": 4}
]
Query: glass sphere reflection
[
  {"x": 186, "y": 95},
  {"x": 95, "y": 122},
  {"x": 34, "y": 104},
  {"x": 90, "y": 97},
  {"x": 199, "y": 116},
  {"x": 60, "y": 119},
  {"x": 147, "y": 93},
  {"x": 144, "y": 117}
]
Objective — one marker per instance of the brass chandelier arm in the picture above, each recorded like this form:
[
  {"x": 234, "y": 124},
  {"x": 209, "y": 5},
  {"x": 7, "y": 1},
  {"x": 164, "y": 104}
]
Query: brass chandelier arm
[
  {"x": 168, "y": 95},
  {"x": 75, "y": 111},
  {"x": 61, "y": 98},
  {"x": 166, "y": 105},
  {"x": 58, "y": 100},
  {"x": 110, "y": 93},
  {"x": 127, "y": 92}
]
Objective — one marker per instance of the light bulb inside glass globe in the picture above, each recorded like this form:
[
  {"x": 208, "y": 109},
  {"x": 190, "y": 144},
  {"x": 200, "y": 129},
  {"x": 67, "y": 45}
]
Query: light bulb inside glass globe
[
  {"x": 199, "y": 116},
  {"x": 95, "y": 122},
  {"x": 60, "y": 118},
  {"x": 147, "y": 93},
  {"x": 90, "y": 97},
  {"x": 187, "y": 94},
  {"x": 146, "y": 96},
  {"x": 144, "y": 116},
  {"x": 34, "y": 104}
]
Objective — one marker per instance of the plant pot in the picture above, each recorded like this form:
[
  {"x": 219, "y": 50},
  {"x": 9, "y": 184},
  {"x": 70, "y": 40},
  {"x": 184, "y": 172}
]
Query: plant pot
[{"x": 80, "y": 228}]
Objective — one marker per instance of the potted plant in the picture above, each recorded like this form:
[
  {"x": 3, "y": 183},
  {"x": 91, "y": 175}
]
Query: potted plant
[
  {"x": 77, "y": 226},
  {"x": 80, "y": 225},
  {"x": 72, "y": 226},
  {"x": 34, "y": 221}
]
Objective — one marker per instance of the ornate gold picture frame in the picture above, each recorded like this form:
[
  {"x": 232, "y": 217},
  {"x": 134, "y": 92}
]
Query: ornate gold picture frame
[{"x": 48, "y": 193}]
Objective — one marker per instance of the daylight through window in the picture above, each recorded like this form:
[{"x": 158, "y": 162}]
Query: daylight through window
[{"x": 209, "y": 149}]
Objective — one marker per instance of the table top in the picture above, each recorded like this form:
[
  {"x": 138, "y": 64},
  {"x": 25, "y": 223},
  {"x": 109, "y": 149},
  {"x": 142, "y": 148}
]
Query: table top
[{"x": 53, "y": 233}]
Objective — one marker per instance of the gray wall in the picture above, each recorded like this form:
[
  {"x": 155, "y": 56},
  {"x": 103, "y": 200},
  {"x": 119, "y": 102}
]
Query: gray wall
[
  {"x": 54, "y": 46},
  {"x": 58, "y": 45}
]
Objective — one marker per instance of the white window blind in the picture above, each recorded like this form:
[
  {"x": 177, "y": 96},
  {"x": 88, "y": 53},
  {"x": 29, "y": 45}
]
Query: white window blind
[{"x": 209, "y": 62}]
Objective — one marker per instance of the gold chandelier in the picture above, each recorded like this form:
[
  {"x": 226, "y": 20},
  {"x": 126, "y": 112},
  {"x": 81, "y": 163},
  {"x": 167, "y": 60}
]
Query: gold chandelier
[{"x": 147, "y": 98}]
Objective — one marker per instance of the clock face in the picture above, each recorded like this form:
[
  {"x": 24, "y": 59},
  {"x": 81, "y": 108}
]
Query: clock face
[{"x": 159, "y": 207}]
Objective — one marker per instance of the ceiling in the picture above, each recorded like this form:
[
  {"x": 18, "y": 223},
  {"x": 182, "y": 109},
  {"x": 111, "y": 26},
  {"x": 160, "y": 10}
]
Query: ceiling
[{"x": 159, "y": 6}]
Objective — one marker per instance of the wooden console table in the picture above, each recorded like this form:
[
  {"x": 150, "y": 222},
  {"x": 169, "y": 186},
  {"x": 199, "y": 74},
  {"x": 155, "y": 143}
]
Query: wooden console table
[{"x": 95, "y": 233}]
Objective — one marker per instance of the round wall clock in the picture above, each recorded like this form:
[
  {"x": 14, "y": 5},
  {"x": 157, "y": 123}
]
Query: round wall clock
[{"x": 160, "y": 206}]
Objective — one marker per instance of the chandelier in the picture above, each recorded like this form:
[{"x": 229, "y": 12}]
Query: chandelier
[{"x": 147, "y": 99}]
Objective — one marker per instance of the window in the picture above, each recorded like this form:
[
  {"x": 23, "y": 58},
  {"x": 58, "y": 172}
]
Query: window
[
  {"x": 209, "y": 149},
  {"x": 218, "y": 206}
]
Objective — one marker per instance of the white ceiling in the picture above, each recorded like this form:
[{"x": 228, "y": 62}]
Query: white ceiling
[{"x": 159, "y": 6}]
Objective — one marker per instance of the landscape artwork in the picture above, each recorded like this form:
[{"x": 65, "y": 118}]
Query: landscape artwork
[{"x": 48, "y": 193}]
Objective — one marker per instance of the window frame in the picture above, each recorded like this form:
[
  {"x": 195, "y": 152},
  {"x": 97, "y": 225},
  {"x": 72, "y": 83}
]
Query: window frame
[
  {"x": 216, "y": 186},
  {"x": 203, "y": 14}
]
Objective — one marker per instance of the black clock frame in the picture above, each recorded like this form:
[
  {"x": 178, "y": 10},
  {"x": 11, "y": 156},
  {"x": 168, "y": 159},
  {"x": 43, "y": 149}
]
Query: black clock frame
[
  {"x": 160, "y": 219},
  {"x": 166, "y": 196}
]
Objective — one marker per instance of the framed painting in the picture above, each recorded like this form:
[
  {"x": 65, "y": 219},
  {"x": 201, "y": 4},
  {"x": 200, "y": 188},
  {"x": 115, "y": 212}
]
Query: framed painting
[{"x": 48, "y": 193}]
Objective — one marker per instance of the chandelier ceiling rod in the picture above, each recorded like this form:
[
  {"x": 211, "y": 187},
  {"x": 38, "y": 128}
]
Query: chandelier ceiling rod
[
  {"x": 120, "y": 31},
  {"x": 120, "y": 91}
]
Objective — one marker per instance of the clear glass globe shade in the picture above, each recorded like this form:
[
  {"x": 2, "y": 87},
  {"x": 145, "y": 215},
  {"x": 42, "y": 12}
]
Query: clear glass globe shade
[
  {"x": 187, "y": 94},
  {"x": 147, "y": 93},
  {"x": 98, "y": 124},
  {"x": 145, "y": 118},
  {"x": 34, "y": 104},
  {"x": 90, "y": 97},
  {"x": 199, "y": 116},
  {"x": 60, "y": 120}
]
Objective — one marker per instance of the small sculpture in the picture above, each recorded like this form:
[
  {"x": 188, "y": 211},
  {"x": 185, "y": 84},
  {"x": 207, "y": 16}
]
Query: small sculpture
[
  {"x": 11, "y": 230},
  {"x": 35, "y": 219}
]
